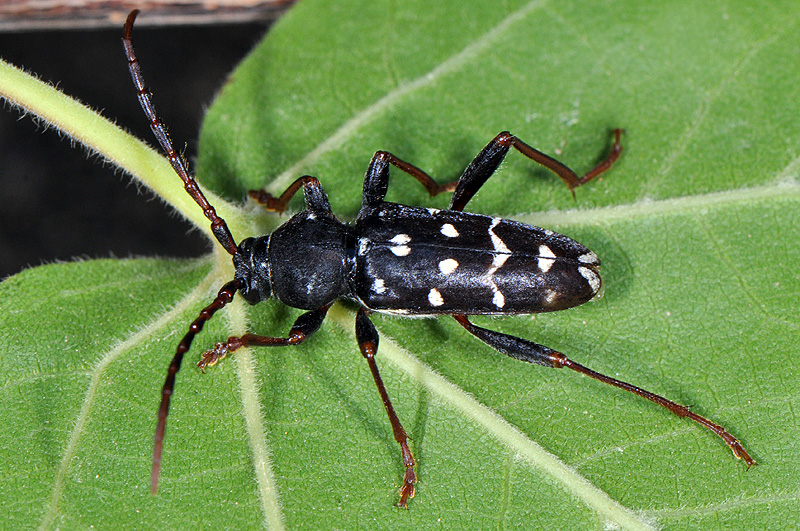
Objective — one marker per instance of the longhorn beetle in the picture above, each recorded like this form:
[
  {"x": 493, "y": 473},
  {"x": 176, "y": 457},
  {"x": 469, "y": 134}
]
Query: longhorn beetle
[{"x": 401, "y": 260}]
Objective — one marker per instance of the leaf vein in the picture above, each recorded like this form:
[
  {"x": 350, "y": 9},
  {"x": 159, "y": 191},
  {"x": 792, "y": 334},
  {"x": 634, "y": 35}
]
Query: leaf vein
[
  {"x": 705, "y": 104},
  {"x": 136, "y": 338},
  {"x": 785, "y": 190},
  {"x": 736, "y": 503},
  {"x": 348, "y": 128},
  {"x": 253, "y": 414}
]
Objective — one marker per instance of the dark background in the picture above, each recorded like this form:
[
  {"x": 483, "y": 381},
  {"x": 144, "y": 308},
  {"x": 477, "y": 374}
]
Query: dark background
[{"x": 57, "y": 202}]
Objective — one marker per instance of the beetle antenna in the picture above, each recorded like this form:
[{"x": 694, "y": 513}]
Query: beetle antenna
[
  {"x": 224, "y": 296},
  {"x": 218, "y": 226}
]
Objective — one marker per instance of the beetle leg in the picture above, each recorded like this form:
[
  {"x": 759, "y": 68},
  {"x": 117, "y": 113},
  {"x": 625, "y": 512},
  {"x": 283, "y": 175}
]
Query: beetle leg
[
  {"x": 376, "y": 180},
  {"x": 302, "y": 329},
  {"x": 531, "y": 352},
  {"x": 315, "y": 198},
  {"x": 304, "y": 326},
  {"x": 487, "y": 161},
  {"x": 367, "y": 338}
]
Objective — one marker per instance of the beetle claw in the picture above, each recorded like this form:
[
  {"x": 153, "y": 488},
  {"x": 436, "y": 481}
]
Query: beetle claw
[{"x": 408, "y": 489}]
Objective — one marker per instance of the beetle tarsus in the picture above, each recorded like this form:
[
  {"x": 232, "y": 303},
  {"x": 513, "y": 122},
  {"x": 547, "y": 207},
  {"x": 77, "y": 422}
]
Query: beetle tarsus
[
  {"x": 212, "y": 356},
  {"x": 682, "y": 411},
  {"x": 740, "y": 453},
  {"x": 409, "y": 487}
]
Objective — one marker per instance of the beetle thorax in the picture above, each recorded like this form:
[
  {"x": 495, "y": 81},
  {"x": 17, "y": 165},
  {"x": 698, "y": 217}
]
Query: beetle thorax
[{"x": 307, "y": 260}]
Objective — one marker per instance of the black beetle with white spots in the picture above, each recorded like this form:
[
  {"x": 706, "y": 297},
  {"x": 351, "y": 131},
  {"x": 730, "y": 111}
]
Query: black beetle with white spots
[{"x": 401, "y": 260}]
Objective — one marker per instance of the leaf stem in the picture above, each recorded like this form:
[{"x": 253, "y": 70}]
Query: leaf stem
[{"x": 106, "y": 139}]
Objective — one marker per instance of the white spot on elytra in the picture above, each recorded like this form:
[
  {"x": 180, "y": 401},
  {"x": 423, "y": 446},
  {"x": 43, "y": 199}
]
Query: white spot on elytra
[
  {"x": 498, "y": 299},
  {"x": 546, "y": 258},
  {"x": 591, "y": 277},
  {"x": 362, "y": 246},
  {"x": 550, "y": 296},
  {"x": 435, "y": 298},
  {"x": 498, "y": 261},
  {"x": 499, "y": 245},
  {"x": 449, "y": 230},
  {"x": 502, "y": 252},
  {"x": 433, "y": 211},
  {"x": 400, "y": 249},
  {"x": 588, "y": 258},
  {"x": 448, "y": 266},
  {"x": 378, "y": 286}
]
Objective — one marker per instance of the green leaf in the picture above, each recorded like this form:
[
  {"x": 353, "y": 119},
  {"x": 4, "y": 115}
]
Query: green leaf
[{"x": 697, "y": 227}]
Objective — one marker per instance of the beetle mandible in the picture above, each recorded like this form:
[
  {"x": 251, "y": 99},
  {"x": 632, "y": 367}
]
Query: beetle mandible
[{"x": 400, "y": 260}]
